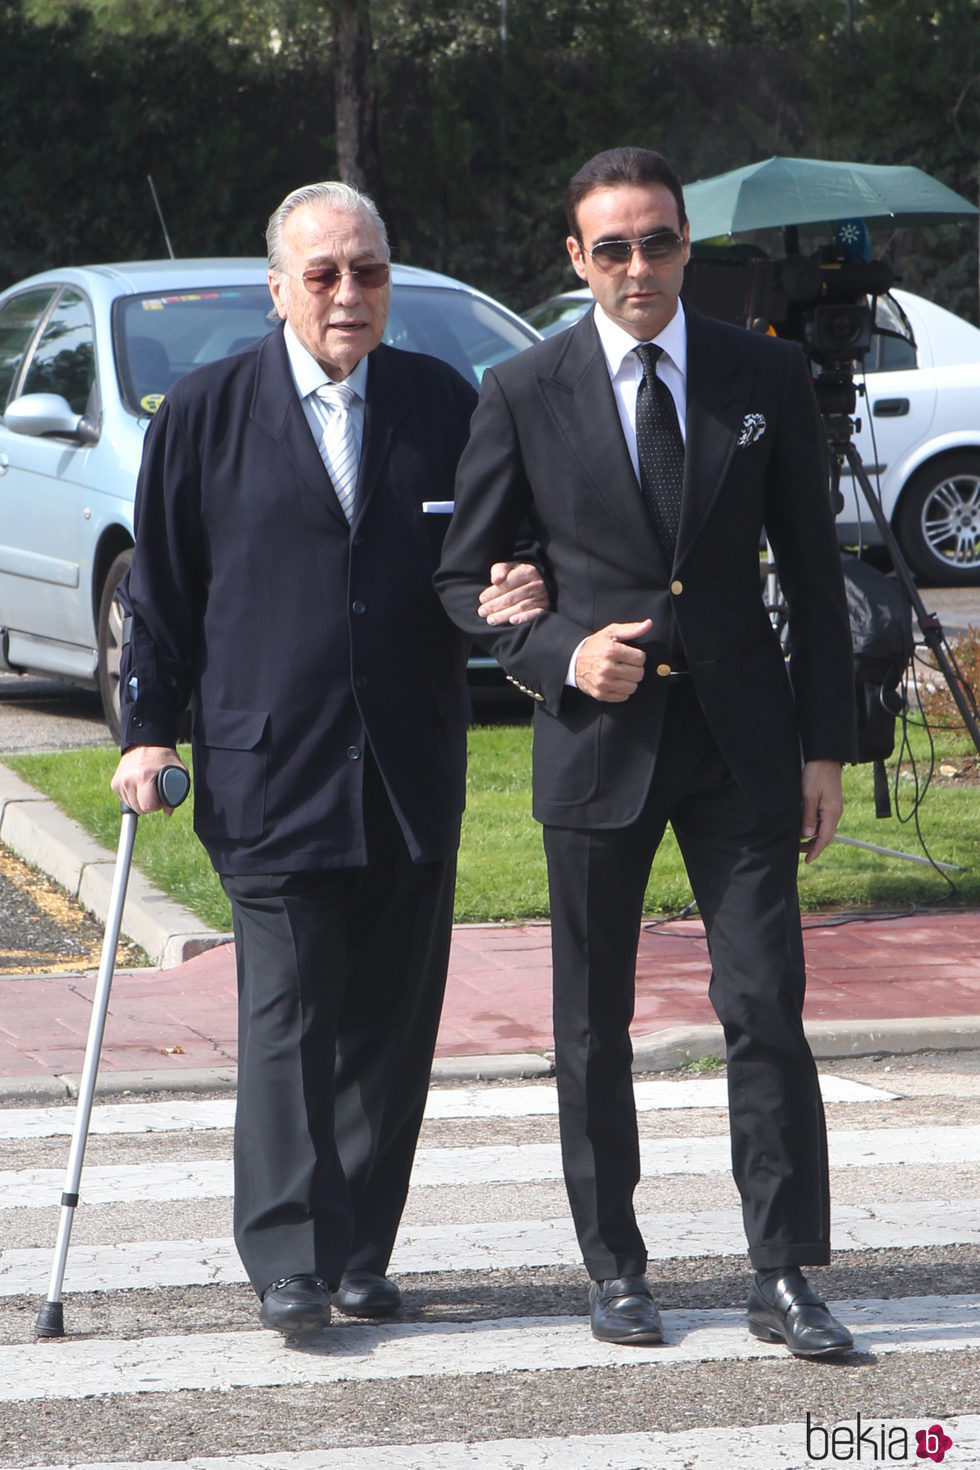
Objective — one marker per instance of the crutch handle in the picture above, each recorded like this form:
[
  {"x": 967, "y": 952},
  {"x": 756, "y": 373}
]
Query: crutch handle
[{"x": 173, "y": 783}]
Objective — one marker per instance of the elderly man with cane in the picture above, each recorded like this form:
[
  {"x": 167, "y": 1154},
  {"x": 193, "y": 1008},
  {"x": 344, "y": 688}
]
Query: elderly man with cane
[{"x": 290, "y": 515}]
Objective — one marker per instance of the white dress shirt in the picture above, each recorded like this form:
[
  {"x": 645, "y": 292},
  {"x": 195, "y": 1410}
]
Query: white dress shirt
[
  {"x": 308, "y": 376},
  {"x": 626, "y": 372},
  {"x": 625, "y": 375}
]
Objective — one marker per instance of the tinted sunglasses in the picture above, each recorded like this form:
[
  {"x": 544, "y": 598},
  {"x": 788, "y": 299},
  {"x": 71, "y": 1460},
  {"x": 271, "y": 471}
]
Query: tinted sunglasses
[
  {"x": 611, "y": 255},
  {"x": 327, "y": 277}
]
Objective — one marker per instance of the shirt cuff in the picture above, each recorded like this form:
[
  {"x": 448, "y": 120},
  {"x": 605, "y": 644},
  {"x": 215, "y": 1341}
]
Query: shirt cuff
[{"x": 570, "y": 675}]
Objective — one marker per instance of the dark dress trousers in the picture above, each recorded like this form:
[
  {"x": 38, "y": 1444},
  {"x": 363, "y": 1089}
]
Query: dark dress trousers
[
  {"x": 329, "y": 709},
  {"x": 716, "y": 752}
]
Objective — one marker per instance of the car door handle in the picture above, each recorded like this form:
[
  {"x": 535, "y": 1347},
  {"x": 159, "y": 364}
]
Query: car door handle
[{"x": 890, "y": 408}]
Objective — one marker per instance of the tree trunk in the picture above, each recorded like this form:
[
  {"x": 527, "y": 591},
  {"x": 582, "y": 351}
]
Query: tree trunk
[{"x": 356, "y": 113}]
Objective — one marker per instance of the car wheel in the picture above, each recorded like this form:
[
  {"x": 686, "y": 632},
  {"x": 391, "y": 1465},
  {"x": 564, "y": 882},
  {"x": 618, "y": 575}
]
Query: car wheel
[
  {"x": 938, "y": 521},
  {"x": 110, "y": 641}
]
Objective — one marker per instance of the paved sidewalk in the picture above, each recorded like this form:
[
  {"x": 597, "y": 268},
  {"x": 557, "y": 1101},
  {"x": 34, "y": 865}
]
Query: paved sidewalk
[
  {"x": 879, "y": 984},
  {"x": 875, "y": 985}
]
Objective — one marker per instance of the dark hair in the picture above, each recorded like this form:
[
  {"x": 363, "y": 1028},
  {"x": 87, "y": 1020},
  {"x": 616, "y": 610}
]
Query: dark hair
[{"x": 621, "y": 166}]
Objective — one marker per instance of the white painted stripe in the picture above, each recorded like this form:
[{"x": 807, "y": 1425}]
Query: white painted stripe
[
  {"x": 467, "y": 1102},
  {"x": 526, "y": 1163},
  {"x": 108, "y": 1118},
  {"x": 652, "y": 1095},
  {"x": 78, "y": 1369},
  {"x": 728, "y": 1447},
  {"x": 487, "y": 1246},
  {"x": 156, "y": 1183}
]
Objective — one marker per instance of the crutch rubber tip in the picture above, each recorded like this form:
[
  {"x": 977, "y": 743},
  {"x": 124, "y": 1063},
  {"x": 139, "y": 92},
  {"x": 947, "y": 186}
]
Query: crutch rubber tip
[{"x": 50, "y": 1320}]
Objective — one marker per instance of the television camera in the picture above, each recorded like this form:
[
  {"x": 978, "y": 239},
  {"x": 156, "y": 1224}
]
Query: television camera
[{"x": 826, "y": 303}]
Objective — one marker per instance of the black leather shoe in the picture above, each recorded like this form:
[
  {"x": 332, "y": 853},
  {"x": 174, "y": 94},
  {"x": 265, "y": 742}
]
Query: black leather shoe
[
  {"x": 364, "y": 1294},
  {"x": 788, "y": 1310},
  {"x": 296, "y": 1306},
  {"x": 624, "y": 1311}
]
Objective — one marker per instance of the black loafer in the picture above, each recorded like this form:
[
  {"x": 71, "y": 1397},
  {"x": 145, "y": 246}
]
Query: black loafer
[
  {"x": 365, "y": 1294},
  {"x": 624, "y": 1311},
  {"x": 790, "y": 1312},
  {"x": 296, "y": 1306}
]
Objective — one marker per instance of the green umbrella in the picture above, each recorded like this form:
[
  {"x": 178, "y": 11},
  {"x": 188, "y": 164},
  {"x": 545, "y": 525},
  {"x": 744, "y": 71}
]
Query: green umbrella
[{"x": 813, "y": 192}]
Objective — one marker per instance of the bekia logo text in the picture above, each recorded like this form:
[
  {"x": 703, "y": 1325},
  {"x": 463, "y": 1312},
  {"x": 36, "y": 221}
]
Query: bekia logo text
[{"x": 874, "y": 1443}]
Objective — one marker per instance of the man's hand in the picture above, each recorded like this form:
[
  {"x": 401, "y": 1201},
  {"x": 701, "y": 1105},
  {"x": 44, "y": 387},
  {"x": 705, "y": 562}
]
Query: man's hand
[
  {"x": 823, "y": 803},
  {"x": 135, "y": 779},
  {"x": 516, "y": 594},
  {"x": 608, "y": 667}
]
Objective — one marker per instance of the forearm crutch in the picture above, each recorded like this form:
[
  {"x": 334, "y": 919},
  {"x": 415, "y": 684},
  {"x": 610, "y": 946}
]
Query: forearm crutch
[{"x": 173, "y": 784}]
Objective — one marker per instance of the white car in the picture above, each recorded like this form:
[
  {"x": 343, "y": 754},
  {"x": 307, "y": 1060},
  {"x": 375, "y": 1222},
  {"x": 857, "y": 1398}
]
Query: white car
[
  {"x": 918, "y": 433},
  {"x": 87, "y": 355}
]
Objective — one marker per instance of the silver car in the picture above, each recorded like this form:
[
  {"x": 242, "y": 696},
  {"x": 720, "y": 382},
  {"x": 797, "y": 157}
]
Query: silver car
[{"x": 87, "y": 355}]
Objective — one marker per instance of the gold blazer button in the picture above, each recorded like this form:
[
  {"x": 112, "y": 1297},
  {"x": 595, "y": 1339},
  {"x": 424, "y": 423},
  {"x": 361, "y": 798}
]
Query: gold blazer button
[
  {"x": 663, "y": 670},
  {"x": 677, "y": 588}
]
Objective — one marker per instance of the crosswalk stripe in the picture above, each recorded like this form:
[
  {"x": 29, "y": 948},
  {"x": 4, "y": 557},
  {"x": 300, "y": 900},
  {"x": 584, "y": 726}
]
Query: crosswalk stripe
[
  {"x": 152, "y": 1183},
  {"x": 183, "y": 1115},
  {"x": 465, "y": 1359},
  {"x": 223, "y": 1361},
  {"x": 492, "y": 1164},
  {"x": 652, "y": 1094},
  {"x": 486, "y": 1245},
  {"x": 734, "y": 1447}
]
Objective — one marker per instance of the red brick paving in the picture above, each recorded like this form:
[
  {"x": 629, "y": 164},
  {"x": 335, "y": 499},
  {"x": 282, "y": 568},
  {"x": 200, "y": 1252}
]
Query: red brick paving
[{"x": 499, "y": 993}]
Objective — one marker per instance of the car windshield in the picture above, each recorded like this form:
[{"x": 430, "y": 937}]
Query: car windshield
[
  {"x": 467, "y": 332},
  {"x": 553, "y": 316},
  {"x": 160, "y": 337}
]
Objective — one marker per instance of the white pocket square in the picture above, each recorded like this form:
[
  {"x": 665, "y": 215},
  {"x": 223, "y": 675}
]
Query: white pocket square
[{"x": 753, "y": 428}]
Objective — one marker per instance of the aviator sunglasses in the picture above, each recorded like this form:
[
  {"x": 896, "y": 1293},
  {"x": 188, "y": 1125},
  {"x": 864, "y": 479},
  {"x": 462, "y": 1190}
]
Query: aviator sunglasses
[
  {"x": 327, "y": 277},
  {"x": 614, "y": 255}
]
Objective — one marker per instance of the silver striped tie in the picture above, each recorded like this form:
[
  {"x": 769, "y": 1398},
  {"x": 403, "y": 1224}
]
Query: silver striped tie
[{"x": 338, "y": 449}]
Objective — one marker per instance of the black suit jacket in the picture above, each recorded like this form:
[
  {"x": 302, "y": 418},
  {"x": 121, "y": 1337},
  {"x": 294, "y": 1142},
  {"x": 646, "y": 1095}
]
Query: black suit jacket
[
  {"x": 298, "y": 640},
  {"x": 546, "y": 441}
]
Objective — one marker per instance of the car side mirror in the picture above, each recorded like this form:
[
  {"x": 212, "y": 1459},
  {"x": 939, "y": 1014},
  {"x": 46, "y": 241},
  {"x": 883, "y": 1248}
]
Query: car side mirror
[{"x": 37, "y": 414}]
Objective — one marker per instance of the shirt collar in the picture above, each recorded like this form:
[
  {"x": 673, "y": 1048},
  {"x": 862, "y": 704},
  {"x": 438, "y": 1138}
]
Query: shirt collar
[
  {"x": 308, "y": 375},
  {"x": 618, "y": 344}
]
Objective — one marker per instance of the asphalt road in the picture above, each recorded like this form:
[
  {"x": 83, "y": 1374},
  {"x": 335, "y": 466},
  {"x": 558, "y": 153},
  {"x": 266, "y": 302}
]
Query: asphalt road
[
  {"x": 45, "y": 714},
  {"x": 490, "y": 1362}
]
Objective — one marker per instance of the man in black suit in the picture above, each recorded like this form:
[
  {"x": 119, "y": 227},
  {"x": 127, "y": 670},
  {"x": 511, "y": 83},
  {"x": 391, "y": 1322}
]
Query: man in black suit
[
  {"x": 650, "y": 447},
  {"x": 290, "y": 514}
]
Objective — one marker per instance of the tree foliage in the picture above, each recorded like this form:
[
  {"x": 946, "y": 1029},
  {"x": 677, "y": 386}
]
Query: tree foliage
[{"x": 482, "y": 111}]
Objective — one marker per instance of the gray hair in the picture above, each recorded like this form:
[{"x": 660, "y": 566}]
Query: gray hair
[{"x": 340, "y": 197}]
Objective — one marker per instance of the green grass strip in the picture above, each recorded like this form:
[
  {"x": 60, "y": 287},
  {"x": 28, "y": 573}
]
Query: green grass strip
[{"x": 502, "y": 870}]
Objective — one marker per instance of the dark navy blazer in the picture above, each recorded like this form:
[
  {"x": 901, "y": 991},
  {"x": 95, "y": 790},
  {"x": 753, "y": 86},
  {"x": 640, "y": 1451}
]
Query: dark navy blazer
[{"x": 299, "y": 641}]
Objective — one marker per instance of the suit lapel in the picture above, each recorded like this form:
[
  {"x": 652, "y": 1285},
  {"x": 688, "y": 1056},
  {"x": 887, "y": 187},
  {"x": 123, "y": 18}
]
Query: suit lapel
[
  {"x": 580, "y": 398},
  {"x": 719, "y": 389},
  {"x": 277, "y": 409},
  {"x": 383, "y": 411}
]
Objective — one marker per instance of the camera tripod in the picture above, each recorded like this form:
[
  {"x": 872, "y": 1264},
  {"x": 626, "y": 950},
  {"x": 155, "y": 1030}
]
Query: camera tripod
[{"x": 836, "y": 397}]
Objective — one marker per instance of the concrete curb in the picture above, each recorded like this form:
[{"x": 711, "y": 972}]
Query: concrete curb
[
  {"x": 679, "y": 1046},
  {"x": 39, "y": 833},
  {"x": 64, "y": 1086},
  {"x": 670, "y": 1050}
]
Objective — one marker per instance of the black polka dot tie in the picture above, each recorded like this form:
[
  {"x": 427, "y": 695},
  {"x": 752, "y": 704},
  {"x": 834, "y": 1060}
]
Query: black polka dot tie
[{"x": 659, "y": 449}]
